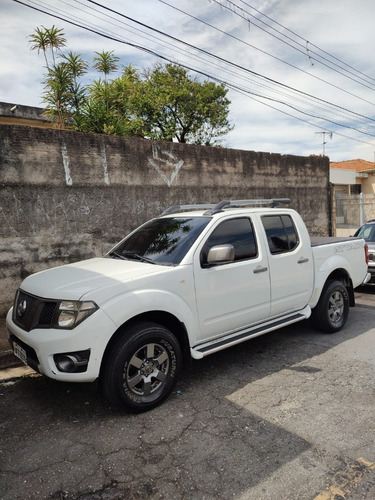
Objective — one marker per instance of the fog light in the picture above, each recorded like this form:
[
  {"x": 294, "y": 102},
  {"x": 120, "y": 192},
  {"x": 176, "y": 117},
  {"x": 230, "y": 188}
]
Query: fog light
[
  {"x": 66, "y": 363},
  {"x": 74, "y": 362}
]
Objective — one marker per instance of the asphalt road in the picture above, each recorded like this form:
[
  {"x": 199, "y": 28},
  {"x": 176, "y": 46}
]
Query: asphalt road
[{"x": 286, "y": 416}]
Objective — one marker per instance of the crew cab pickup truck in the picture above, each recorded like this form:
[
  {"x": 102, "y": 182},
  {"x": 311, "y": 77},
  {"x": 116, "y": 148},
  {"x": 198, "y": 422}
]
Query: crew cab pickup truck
[{"x": 191, "y": 282}]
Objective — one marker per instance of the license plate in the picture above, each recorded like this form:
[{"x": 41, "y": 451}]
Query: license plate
[{"x": 20, "y": 352}]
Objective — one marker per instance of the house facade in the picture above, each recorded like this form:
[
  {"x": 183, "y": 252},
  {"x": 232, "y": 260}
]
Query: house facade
[
  {"x": 353, "y": 176},
  {"x": 353, "y": 194}
]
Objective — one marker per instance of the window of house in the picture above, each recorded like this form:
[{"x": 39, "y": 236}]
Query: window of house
[
  {"x": 281, "y": 233},
  {"x": 236, "y": 232},
  {"x": 355, "y": 189}
]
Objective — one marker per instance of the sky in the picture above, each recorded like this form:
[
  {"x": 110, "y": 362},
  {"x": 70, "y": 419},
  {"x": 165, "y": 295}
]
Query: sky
[{"x": 300, "y": 74}]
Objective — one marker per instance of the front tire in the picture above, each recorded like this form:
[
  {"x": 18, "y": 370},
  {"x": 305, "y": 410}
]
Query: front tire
[
  {"x": 142, "y": 367},
  {"x": 331, "y": 312}
]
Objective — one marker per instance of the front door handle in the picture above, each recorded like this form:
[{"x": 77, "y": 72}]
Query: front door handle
[
  {"x": 260, "y": 269},
  {"x": 302, "y": 260}
]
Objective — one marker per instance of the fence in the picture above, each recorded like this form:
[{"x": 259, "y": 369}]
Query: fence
[{"x": 351, "y": 211}]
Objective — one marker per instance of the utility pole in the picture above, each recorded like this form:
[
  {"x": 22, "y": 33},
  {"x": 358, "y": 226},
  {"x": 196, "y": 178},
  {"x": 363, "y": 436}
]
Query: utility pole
[{"x": 324, "y": 139}]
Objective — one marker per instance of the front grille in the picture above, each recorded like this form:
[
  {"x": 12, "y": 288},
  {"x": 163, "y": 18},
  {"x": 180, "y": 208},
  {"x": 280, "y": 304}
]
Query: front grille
[
  {"x": 47, "y": 314},
  {"x": 24, "y": 306},
  {"x": 31, "y": 312},
  {"x": 371, "y": 257}
]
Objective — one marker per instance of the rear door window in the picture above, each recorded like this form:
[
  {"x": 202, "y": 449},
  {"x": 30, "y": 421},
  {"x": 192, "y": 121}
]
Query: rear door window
[{"x": 281, "y": 233}]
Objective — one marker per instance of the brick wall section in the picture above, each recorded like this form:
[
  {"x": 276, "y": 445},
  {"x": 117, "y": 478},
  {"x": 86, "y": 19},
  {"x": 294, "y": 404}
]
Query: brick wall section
[{"x": 65, "y": 196}]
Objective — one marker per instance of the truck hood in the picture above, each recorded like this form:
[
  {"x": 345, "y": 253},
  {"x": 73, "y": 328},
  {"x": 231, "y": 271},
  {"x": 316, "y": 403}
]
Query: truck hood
[{"x": 72, "y": 281}]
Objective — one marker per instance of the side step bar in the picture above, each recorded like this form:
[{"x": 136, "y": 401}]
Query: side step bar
[{"x": 207, "y": 348}]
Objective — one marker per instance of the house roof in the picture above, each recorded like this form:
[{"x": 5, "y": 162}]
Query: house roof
[{"x": 357, "y": 165}]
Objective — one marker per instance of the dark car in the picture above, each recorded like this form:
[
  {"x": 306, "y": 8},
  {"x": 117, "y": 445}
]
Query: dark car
[{"x": 367, "y": 232}]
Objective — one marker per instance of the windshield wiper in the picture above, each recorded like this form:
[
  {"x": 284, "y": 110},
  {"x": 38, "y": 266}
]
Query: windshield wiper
[
  {"x": 118, "y": 255},
  {"x": 131, "y": 255},
  {"x": 136, "y": 256}
]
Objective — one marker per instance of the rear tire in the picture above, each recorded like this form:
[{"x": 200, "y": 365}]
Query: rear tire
[
  {"x": 142, "y": 367},
  {"x": 331, "y": 312}
]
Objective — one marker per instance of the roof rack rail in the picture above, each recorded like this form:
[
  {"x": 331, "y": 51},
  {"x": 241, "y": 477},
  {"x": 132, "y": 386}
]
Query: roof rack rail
[
  {"x": 272, "y": 202},
  {"x": 212, "y": 209},
  {"x": 184, "y": 208}
]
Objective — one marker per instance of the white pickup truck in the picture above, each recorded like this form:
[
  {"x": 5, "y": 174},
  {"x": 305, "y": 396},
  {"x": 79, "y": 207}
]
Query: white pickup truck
[{"x": 196, "y": 280}]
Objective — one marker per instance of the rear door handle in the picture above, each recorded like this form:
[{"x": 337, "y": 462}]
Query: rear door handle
[
  {"x": 302, "y": 260},
  {"x": 260, "y": 269}
]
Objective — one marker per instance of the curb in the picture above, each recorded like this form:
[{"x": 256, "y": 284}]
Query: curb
[{"x": 9, "y": 360}]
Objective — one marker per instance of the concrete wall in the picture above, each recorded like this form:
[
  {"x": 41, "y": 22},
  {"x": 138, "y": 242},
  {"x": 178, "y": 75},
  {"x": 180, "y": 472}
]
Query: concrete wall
[{"x": 65, "y": 196}]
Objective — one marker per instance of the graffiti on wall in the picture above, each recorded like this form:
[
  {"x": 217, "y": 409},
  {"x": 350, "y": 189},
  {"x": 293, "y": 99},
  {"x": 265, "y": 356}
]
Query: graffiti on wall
[
  {"x": 66, "y": 163},
  {"x": 164, "y": 162}
]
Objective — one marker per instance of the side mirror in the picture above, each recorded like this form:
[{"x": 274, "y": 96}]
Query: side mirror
[{"x": 220, "y": 254}]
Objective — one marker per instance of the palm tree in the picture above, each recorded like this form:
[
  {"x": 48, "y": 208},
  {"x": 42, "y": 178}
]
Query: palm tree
[
  {"x": 40, "y": 41},
  {"x": 106, "y": 62},
  {"x": 57, "y": 94},
  {"x": 47, "y": 38},
  {"x": 76, "y": 65},
  {"x": 56, "y": 40}
]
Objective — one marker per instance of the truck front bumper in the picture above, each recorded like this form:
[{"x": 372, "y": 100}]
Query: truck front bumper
[{"x": 67, "y": 355}]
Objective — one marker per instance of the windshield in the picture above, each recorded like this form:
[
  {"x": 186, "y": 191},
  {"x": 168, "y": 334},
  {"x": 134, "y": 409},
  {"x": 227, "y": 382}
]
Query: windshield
[
  {"x": 161, "y": 241},
  {"x": 367, "y": 232}
]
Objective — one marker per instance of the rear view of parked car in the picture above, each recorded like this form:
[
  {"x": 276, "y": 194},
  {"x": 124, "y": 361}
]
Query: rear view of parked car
[{"x": 367, "y": 232}]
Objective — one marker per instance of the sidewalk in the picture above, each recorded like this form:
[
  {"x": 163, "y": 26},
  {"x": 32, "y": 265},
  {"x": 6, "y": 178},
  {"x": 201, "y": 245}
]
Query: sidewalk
[{"x": 7, "y": 374}]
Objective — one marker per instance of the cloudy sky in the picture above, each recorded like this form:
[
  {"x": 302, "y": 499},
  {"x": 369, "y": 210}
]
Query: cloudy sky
[{"x": 299, "y": 73}]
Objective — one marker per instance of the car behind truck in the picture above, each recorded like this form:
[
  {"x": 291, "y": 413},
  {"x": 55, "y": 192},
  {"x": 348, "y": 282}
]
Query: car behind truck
[{"x": 197, "y": 279}]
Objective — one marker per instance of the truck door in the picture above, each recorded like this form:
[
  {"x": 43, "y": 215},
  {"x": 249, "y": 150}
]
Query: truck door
[
  {"x": 237, "y": 294},
  {"x": 290, "y": 263}
]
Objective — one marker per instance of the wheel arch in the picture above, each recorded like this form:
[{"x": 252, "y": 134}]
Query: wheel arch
[
  {"x": 343, "y": 276},
  {"x": 163, "y": 318}
]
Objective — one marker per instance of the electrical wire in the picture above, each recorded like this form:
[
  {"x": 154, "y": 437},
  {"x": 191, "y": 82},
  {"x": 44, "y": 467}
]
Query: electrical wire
[
  {"x": 114, "y": 36},
  {"x": 302, "y": 50},
  {"x": 309, "y": 43}
]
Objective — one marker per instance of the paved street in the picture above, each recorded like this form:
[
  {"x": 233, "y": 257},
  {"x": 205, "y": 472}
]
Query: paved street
[{"x": 286, "y": 416}]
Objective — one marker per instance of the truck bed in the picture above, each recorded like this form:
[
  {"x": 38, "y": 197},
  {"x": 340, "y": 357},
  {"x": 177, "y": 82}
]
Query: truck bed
[{"x": 326, "y": 240}]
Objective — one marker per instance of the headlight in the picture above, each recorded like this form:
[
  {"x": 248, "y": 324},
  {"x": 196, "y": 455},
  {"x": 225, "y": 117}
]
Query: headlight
[{"x": 72, "y": 312}]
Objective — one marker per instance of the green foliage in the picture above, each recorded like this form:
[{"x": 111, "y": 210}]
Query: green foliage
[
  {"x": 57, "y": 94},
  {"x": 47, "y": 38},
  {"x": 106, "y": 62},
  {"x": 176, "y": 107},
  {"x": 164, "y": 103},
  {"x": 77, "y": 66}
]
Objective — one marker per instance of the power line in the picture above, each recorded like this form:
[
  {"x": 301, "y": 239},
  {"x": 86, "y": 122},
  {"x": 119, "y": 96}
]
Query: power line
[
  {"x": 265, "y": 52},
  {"x": 308, "y": 42},
  {"x": 303, "y": 50},
  {"x": 204, "y": 73},
  {"x": 238, "y": 39},
  {"x": 237, "y": 66}
]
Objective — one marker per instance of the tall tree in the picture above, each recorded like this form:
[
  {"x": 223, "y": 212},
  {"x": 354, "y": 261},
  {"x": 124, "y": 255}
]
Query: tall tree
[
  {"x": 77, "y": 66},
  {"x": 57, "y": 94},
  {"x": 106, "y": 62},
  {"x": 164, "y": 103},
  {"x": 56, "y": 40},
  {"x": 110, "y": 107},
  {"x": 77, "y": 98},
  {"x": 39, "y": 41},
  {"x": 47, "y": 38},
  {"x": 175, "y": 106}
]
